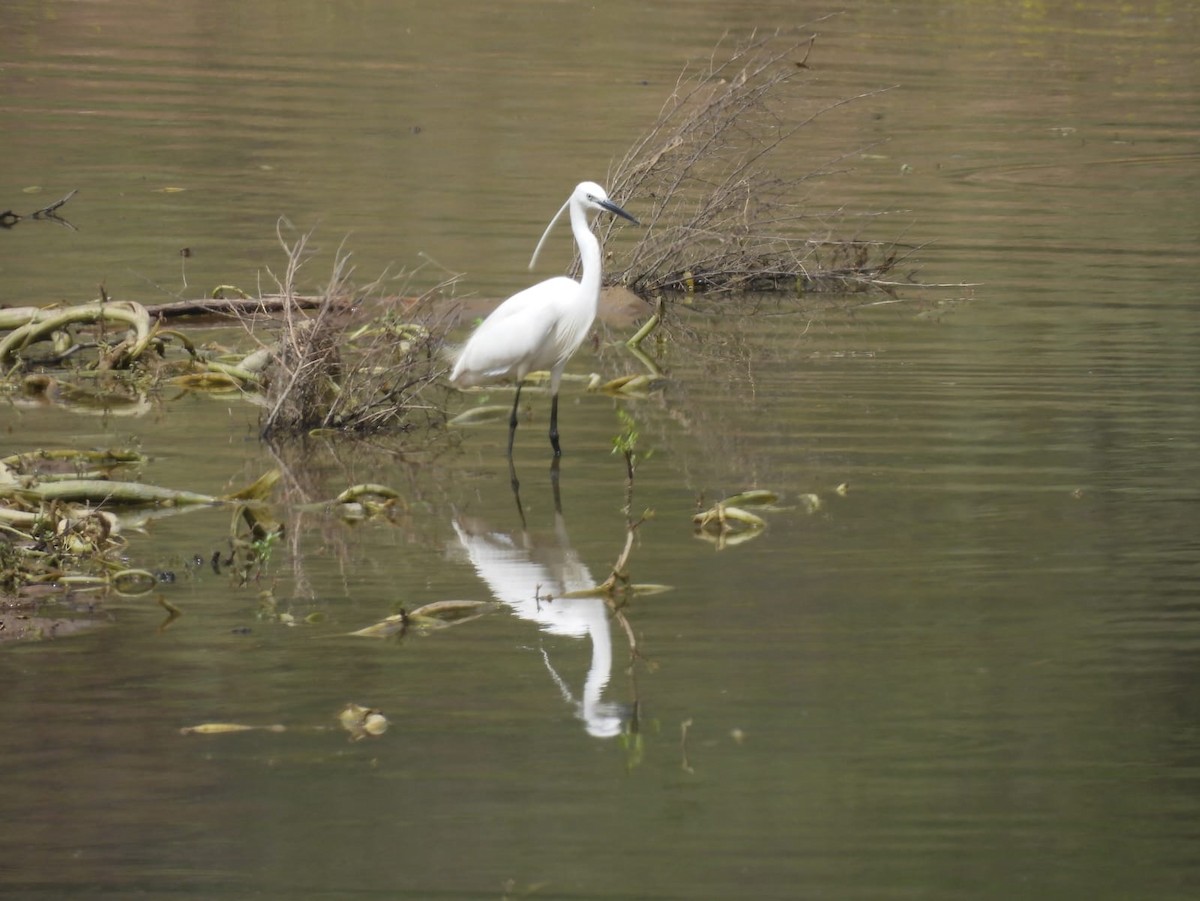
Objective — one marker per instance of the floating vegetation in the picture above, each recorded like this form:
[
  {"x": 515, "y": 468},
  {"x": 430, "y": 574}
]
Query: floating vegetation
[
  {"x": 125, "y": 582},
  {"x": 62, "y": 519},
  {"x": 365, "y": 501},
  {"x": 632, "y": 589},
  {"x": 48, "y": 464},
  {"x": 104, "y": 491},
  {"x": 349, "y": 360},
  {"x": 396, "y": 624},
  {"x": 633, "y": 385},
  {"x": 809, "y": 502},
  {"x": 362, "y": 722},
  {"x": 108, "y": 356},
  {"x": 30, "y": 325},
  {"x": 44, "y": 535},
  {"x": 253, "y": 533},
  {"x": 228, "y": 729},
  {"x": 481, "y": 415},
  {"x": 727, "y": 522},
  {"x": 441, "y": 614},
  {"x": 438, "y": 615},
  {"x": 756, "y": 497}
]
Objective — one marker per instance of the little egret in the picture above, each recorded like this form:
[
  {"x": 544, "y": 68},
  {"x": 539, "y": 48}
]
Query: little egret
[{"x": 541, "y": 327}]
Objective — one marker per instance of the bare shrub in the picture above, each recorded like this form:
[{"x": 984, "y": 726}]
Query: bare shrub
[
  {"x": 720, "y": 219},
  {"x": 358, "y": 363}
]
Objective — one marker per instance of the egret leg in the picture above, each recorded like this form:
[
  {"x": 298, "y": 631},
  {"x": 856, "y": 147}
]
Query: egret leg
[
  {"x": 512, "y": 421},
  {"x": 512, "y": 467},
  {"x": 512, "y": 478},
  {"x": 554, "y": 425},
  {"x": 554, "y": 466},
  {"x": 516, "y": 490}
]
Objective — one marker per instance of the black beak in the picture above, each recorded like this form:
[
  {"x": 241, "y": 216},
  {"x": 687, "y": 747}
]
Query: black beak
[{"x": 617, "y": 211}]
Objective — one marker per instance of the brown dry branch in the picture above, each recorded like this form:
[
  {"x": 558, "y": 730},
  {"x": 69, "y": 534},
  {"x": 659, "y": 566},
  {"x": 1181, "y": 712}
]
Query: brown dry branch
[
  {"x": 8, "y": 218},
  {"x": 359, "y": 363},
  {"x": 210, "y": 306},
  {"x": 720, "y": 219}
]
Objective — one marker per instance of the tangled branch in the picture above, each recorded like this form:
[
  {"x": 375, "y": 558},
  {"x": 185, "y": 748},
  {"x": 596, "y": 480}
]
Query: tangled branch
[
  {"x": 344, "y": 370},
  {"x": 720, "y": 219}
]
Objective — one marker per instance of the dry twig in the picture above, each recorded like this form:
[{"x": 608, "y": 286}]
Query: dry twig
[
  {"x": 720, "y": 219},
  {"x": 8, "y": 218},
  {"x": 347, "y": 371}
]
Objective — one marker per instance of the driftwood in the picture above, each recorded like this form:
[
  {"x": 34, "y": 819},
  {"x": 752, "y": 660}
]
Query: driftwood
[
  {"x": 8, "y": 218},
  {"x": 238, "y": 306}
]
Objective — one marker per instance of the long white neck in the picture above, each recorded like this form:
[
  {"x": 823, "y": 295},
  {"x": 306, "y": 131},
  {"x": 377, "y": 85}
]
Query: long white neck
[{"x": 589, "y": 253}]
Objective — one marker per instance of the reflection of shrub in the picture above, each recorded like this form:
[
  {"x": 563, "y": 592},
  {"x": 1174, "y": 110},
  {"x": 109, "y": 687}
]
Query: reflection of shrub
[
  {"x": 719, "y": 219},
  {"x": 358, "y": 364}
]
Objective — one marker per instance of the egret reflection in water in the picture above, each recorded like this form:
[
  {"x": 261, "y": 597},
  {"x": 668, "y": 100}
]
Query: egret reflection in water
[{"x": 531, "y": 575}]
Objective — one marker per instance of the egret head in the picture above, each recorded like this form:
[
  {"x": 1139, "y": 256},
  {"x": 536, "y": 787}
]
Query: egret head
[
  {"x": 589, "y": 196},
  {"x": 594, "y": 197}
]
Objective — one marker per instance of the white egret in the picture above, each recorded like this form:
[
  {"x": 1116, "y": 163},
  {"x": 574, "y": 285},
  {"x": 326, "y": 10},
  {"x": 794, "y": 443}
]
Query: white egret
[{"x": 541, "y": 327}]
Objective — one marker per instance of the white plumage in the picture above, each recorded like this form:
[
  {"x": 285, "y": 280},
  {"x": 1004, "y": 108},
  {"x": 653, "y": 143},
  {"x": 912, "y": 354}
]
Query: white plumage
[{"x": 541, "y": 327}]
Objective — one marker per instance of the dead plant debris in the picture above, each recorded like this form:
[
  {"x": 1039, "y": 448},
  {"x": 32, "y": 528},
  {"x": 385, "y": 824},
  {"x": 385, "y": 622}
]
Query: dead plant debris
[
  {"x": 351, "y": 373},
  {"x": 63, "y": 519},
  {"x": 720, "y": 218}
]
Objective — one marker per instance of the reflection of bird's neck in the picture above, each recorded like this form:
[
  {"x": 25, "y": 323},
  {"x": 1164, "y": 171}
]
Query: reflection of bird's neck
[
  {"x": 589, "y": 253},
  {"x": 601, "y": 718},
  {"x": 601, "y": 667}
]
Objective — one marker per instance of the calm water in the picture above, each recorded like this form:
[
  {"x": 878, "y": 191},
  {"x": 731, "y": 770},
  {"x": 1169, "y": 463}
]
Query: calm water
[{"x": 970, "y": 675}]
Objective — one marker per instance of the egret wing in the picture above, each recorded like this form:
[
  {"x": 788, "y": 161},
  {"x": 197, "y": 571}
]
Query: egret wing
[
  {"x": 542, "y": 298},
  {"x": 516, "y": 339}
]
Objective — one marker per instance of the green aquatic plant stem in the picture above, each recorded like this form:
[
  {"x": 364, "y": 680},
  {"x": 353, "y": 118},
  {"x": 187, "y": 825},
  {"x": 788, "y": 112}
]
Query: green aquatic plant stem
[
  {"x": 41, "y": 323},
  {"x": 647, "y": 328},
  {"x": 97, "y": 458},
  {"x": 104, "y": 491}
]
